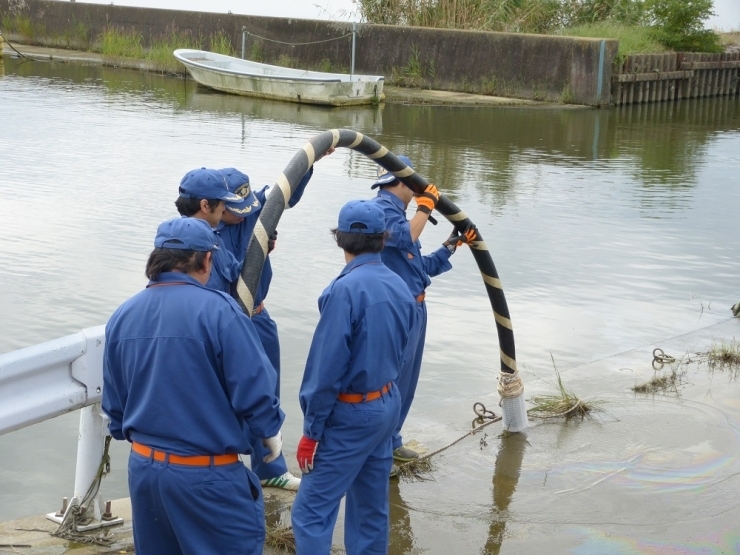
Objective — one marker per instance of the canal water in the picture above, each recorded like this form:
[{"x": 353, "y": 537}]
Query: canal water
[{"x": 611, "y": 230}]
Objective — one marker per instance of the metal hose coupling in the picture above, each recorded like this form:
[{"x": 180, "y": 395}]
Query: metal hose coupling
[{"x": 511, "y": 389}]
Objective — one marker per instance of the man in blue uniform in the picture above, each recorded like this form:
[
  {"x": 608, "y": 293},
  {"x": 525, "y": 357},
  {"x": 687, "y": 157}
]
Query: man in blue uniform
[
  {"x": 186, "y": 381},
  {"x": 402, "y": 254},
  {"x": 202, "y": 195},
  {"x": 235, "y": 230},
  {"x": 349, "y": 398}
]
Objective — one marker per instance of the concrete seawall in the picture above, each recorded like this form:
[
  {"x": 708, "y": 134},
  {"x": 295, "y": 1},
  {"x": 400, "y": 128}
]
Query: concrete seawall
[{"x": 538, "y": 67}]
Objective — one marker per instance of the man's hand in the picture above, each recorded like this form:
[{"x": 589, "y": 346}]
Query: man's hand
[
  {"x": 306, "y": 452},
  {"x": 275, "y": 445},
  {"x": 271, "y": 242},
  {"x": 427, "y": 201},
  {"x": 466, "y": 237}
]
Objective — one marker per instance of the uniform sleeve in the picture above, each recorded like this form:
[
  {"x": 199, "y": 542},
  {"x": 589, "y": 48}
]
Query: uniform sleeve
[
  {"x": 328, "y": 360},
  {"x": 301, "y": 188},
  {"x": 112, "y": 404},
  {"x": 399, "y": 230},
  {"x": 250, "y": 378},
  {"x": 233, "y": 266},
  {"x": 438, "y": 262}
]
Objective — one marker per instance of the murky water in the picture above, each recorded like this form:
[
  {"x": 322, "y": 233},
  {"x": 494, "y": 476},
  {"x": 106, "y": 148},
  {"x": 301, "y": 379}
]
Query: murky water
[{"x": 611, "y": 230}]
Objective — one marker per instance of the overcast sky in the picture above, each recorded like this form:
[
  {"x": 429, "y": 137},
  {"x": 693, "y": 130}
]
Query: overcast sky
[{"x": 727, "y": 18}]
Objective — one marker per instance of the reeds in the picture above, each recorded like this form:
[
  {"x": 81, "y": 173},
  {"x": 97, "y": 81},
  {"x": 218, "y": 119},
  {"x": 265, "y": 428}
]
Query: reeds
[
  {"x": 725, "y": 357},
  {"x": 416, "y": 470},
  {"x": 280, "y": 538},
  {"x": 564, "y": 405}
]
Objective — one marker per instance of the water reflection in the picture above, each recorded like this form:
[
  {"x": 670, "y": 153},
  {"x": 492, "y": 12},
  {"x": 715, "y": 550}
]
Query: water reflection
[
  {"x": 402, "y": 540},
  {"x": 506, "y": 473}
]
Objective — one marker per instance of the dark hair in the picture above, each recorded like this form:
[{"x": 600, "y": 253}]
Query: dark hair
[
  {"x": 360, "y": 243},
  {"x": 191, "y": 206},
  {"x": 167, "y": 260}
]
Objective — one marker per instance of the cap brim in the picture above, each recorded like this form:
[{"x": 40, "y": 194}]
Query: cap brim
[
  {"x": 230, "y": 197},
  {"x": 245, "y": 207},
  {"x": 385, "y": 180}
]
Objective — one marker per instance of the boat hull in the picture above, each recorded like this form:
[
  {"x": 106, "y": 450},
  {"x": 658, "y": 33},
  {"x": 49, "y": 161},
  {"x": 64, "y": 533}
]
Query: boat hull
[{"x": 302, "y": 90}]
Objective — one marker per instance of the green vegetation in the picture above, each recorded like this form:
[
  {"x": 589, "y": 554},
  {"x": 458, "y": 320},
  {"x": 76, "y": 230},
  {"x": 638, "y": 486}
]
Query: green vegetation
[
  {"x": 116, "y": 43},
  {"x": 632, "y": 39},
  {"x": 160, "y": 51},
  {"x": 656, "y": 24},
  {"x": 221, "y": 43}
]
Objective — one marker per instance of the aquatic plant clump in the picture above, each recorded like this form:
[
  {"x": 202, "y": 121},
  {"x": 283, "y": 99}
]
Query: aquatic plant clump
[
  {"x": 565, "y": 405},
  {"x": 417, "y": 470},
  {"x": 725, "y": 356},
  {"x": 280, "y": 537}
]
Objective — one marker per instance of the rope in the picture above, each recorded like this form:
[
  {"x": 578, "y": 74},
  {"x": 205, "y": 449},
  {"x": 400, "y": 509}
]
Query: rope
[
  {"x": 294, "y": 44},
  {"x": 482, "y": 414},
  {"x": 13, "y": 47},
  {"x": 80, "y": 514},
  {"x": 510, "y": 386}
]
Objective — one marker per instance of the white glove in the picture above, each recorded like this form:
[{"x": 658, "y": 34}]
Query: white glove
[{"x": 275, "y": 445}]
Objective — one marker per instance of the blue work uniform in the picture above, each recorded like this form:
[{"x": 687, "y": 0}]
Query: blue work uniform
[
  {"x": 403, "y": 255},
  {"x": 235, "y": 240},
  {"x": 184, "y": 373},
  {"x": 225, "y": 268},
  {"x": 358, "y": 347}
]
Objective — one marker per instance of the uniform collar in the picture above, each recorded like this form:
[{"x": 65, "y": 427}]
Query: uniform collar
[
  {"x": 174, "y": 277},
  {"x": 393, "y": 198},
  {"x": 367, "y": 258}
]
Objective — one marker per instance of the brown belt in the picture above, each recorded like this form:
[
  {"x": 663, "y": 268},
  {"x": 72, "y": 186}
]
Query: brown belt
[
  {"x": 194, "y": 460},
  {"x": 420, "y": 298},
  {"x": 259, "y": 308},
  {"x": 363, "y": 397}
]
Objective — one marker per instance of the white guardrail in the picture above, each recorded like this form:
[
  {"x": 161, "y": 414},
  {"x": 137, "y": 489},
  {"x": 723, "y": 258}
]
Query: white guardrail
[{"x": 53, "y": 378}]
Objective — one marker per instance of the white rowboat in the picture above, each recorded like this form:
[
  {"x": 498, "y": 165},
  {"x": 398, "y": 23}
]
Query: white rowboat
[{"x": 237, "y": 76}]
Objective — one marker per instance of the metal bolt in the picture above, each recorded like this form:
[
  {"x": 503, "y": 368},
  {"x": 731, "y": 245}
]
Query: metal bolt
[
  {"x": 63, "y": 510},
  {"x": 107, "y": 515}
]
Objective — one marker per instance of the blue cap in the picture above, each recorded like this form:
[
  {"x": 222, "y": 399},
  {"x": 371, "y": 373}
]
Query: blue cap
[
  {"x": 385, "y": 177},
  {"x": 185, "y": 234},
  {"x": 206, "y": 184},
  {"x": 365, "y": 215},
  {"x": 238, "y": 183}
]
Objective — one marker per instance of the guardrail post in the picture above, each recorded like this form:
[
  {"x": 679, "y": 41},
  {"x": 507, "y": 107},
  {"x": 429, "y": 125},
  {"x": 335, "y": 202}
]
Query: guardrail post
[
  {"x": 90, "y": 448},
  {"x": 244, "y": 40}
]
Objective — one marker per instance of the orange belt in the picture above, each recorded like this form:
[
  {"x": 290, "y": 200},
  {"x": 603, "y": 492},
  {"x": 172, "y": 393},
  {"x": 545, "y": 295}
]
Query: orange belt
[
  {"x": 259, "y": 308},
  {"x": 362, "y": 397},
  {"x": 194, "y": 460},
  {"x": 420, "y": 298}
]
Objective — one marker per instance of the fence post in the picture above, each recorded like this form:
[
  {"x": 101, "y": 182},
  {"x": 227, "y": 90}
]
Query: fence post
[{"x": 244, "y": 40}]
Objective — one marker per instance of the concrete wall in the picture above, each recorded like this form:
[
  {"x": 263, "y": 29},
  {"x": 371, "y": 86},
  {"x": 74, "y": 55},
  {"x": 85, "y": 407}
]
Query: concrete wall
[{"x": 540, "y": 67}]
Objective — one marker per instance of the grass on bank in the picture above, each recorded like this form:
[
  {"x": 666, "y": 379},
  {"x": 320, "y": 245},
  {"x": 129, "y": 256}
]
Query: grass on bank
[{"x": 632, "y": 40}]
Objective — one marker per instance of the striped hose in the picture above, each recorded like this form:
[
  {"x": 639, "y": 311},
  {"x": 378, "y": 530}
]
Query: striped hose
[{"x": 277, "y": 201}]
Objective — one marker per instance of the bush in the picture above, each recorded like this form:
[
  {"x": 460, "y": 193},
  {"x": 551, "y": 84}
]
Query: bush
[{"x": 679, "y": 24}]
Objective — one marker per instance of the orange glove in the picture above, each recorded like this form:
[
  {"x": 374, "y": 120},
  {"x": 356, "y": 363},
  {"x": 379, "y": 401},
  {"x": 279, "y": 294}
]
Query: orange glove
[
  {"x": 427, "y": 201},
  {"x": 455, "y": 239}
]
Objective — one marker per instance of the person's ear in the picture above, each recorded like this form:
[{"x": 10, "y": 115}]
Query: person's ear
[
  {"x": 204, "y": 206},
  {"x": 207, "y": 264}
]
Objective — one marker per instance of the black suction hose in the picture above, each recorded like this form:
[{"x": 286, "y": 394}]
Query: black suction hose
[{"x": 278, "y": 198}]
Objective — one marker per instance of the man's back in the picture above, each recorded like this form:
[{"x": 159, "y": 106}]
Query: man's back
[{"x": 178, "y": 346}]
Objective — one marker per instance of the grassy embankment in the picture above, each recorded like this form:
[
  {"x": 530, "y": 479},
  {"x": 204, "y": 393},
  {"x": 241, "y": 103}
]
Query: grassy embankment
[{"x": 118, "y": 44}]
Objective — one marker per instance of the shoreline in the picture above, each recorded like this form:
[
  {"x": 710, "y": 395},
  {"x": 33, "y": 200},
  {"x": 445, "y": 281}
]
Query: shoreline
[{"x": 393, "y": 94}]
